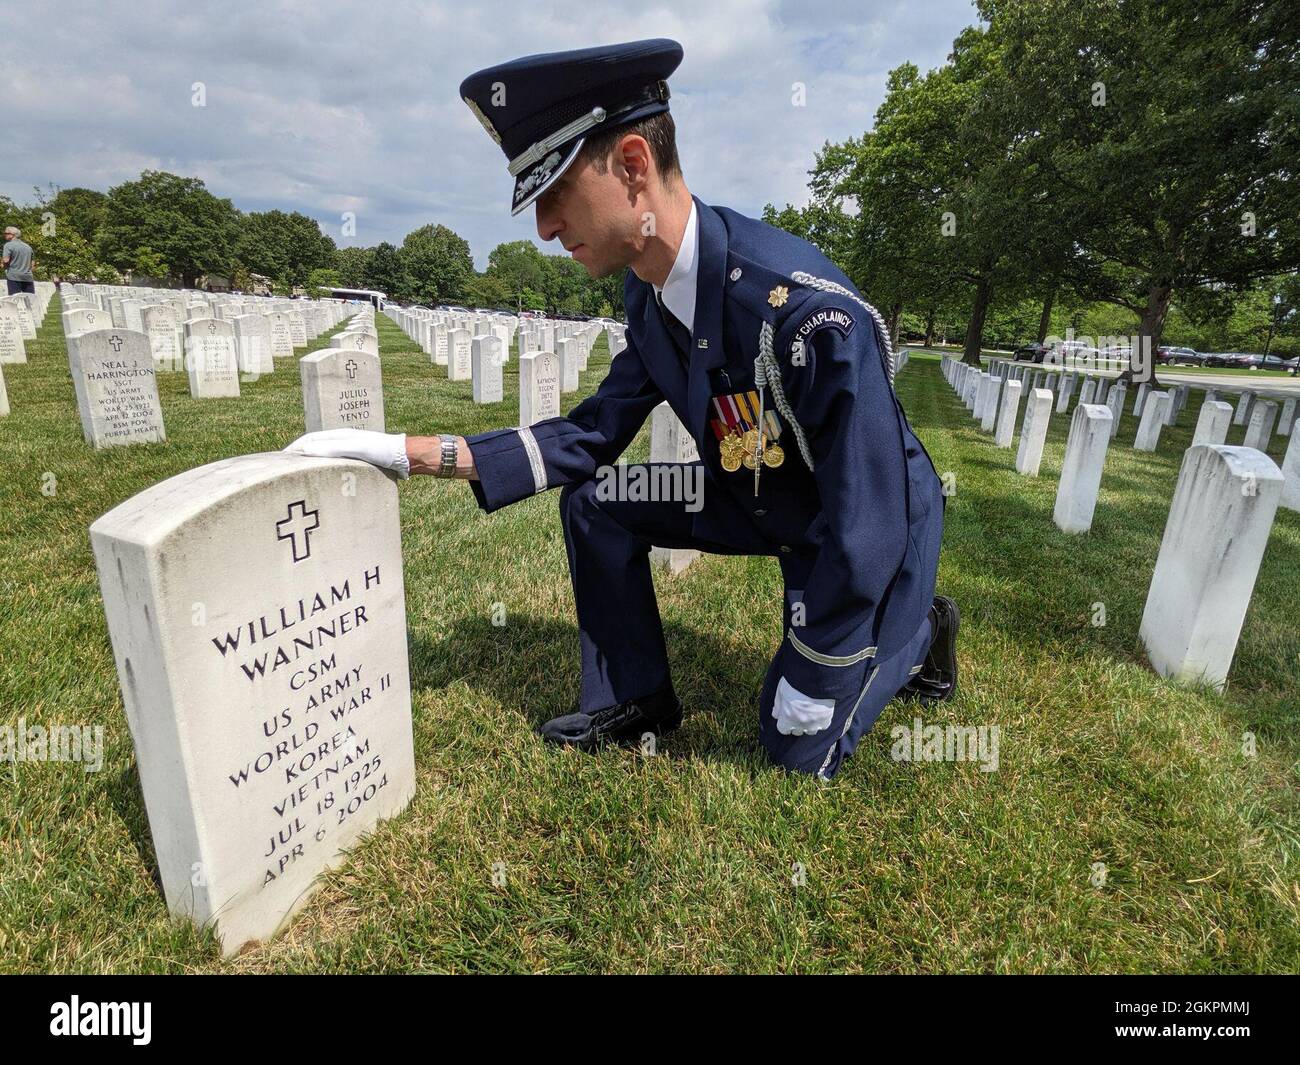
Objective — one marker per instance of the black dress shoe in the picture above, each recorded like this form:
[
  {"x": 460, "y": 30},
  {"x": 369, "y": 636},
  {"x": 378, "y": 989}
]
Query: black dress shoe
[
  {"x": 937, "y": 679},
  {"x": 625, "y": 722}
]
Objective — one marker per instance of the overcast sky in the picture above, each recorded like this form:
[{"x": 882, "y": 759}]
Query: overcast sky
[{"x": 325, "y": 107}]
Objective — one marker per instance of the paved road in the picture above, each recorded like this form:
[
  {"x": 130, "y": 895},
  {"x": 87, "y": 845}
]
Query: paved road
[
  {"x": 1256, "y": 382},
  {"x": 1268, "y": 382}
]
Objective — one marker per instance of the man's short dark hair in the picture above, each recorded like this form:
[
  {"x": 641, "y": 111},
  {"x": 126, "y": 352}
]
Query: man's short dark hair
[{"x": 659, "y": 132}]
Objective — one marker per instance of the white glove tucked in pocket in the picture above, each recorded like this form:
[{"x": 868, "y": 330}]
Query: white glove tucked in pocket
[{"x": 798, "y": 714}]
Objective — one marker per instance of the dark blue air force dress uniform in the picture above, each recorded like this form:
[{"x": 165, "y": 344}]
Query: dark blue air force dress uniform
[{"x": 853, "y": 513}]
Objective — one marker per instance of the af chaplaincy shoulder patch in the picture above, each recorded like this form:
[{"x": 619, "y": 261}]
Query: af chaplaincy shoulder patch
[{"x": 825, "y": 318}]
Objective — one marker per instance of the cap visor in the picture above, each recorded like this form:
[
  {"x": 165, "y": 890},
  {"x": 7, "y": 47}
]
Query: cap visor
[{"x": 548, "y": 180}]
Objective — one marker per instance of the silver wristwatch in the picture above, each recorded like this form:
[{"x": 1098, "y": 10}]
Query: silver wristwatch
[{"x": 447, "y": 466}]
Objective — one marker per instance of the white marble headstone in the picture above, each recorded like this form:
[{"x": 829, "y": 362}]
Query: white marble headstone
[
  {"x": 268, "y": 698},
  {"x": 1214, "y": 539},
  {"x": 355, "y": 340},
  {"x": 281, "y": 335},
  {"x": 1081, "y": 469},
  {"x": 253, "y": 343},
  {"x": 671, "y": 442},
  {"x": 115, "y": 381},
  {"x": 459, "y": 358},
  {"x": 12, "y": 346},
  {"x": 485, "y": 366},
  {"x": 211, "y": 359},
  {"x": 1033, "y": 432},
  {"x": 163, "y": 330},
  {"x": 539, "y": 387},
  {"x": 568, "y": 351},
  {"x": 342, "y": 389}
]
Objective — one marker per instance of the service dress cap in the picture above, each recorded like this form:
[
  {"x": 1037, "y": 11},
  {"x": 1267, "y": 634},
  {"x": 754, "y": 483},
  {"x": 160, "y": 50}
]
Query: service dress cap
[{"x": 541, "y": 108}]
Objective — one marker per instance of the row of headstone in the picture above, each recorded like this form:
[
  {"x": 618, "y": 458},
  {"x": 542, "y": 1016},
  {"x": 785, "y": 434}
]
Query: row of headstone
[
  {"x": 1219, "y": 521},
  {"x": 447, "y": 336},
  {"x": 264, "y": 328},
  {"x": 1267, "y": 414},
  {"x": 1262, "y": 417},
  {"x": 474, "y": 348},
  {"x": 114, "y": 370},
  {"x": 20, "y": 314}
]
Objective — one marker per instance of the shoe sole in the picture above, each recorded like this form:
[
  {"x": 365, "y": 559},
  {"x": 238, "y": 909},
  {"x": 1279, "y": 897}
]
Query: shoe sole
[{"x": 590, "y": 746}]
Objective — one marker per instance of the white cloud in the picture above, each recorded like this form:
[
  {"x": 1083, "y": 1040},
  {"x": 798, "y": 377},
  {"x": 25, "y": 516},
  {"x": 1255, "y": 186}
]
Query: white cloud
[{"x": 327, "y": 107}]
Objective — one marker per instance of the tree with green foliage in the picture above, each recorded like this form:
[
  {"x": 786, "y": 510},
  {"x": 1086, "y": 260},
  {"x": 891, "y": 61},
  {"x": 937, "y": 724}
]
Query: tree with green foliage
[
  {"x": 386, "y": 271},
  {"x": 285, "y": 247},
  {"x": 353, "y": 266},
  {"x": 320, "y": 281},
  {"x": 1166, "y": 139},
  {"x": 191, "y": 231},
  {"x": 438, "y": 263},
  {"x": 81, "y": 209},
  {"x": 489, "y": 291},
  {"x": 60, "y": 249},
  {"x": 563, "y": 284},
  {"x": 518, "y": 266}
]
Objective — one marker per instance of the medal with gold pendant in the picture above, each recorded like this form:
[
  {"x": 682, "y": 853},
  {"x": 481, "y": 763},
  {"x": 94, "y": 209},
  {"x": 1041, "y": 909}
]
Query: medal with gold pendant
[
  {"x": 747, "y": 433},
  {"x": 730, "y": 448}
]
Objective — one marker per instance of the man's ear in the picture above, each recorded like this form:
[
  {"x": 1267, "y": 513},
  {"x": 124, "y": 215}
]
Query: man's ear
[{"x": 635, "y": 160}]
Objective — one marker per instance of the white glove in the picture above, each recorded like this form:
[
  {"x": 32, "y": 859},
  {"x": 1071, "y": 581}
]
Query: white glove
[
  {"x": 798, "y": 715},
  {"x": 385, "y": 450}
]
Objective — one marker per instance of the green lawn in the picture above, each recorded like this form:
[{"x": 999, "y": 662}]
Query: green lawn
[{"x": 687, "y": 860}]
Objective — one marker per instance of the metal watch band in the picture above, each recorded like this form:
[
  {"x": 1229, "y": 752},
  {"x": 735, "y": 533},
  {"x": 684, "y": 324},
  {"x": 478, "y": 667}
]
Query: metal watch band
[{"x": 447, "y": 466}]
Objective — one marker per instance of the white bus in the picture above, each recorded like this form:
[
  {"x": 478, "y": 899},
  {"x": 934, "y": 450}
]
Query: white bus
[{"x": 369, "y": 295}]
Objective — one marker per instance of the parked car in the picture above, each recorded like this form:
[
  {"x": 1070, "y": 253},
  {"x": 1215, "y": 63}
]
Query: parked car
[
  {"x": 1222, "y": 358},
  {"x": 1029, "y": 353},
  {"x": 1167, "y": 355},
  {"x": 1292, "y": 366},
  {"x": 1267, "y": 362}
]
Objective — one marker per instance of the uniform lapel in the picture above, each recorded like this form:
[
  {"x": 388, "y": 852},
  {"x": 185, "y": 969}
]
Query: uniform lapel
[
  {"x": 706, "y": 339},
  {"x": 658, "y": 348}
]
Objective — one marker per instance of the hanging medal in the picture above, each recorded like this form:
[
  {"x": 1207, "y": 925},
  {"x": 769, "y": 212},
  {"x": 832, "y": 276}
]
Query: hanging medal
[{"x": 747, "y": 434}]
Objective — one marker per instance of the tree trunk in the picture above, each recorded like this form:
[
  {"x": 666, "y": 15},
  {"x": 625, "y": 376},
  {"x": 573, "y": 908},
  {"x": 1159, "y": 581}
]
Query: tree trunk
[
  {"x": 1151, "y": 327},
  {"x": 1272, "y": 328},
  {"x": 929, "y": 328},
  {"x": 1045, "y": 319},
  {"x": 895, "y": 323},
  {"x": 975, "y": 327}
]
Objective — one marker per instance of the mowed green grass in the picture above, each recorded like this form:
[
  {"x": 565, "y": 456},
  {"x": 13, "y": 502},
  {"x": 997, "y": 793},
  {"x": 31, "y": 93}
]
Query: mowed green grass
[{"x": 703, "y": 857}]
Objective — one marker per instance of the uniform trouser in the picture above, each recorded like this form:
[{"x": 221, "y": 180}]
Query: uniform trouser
[{"x": 623, "y": 651}]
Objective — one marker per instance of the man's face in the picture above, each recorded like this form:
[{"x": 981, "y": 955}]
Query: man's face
[
  {"x": 593, "y": 215},
  {"x": 11, "y": 234}
]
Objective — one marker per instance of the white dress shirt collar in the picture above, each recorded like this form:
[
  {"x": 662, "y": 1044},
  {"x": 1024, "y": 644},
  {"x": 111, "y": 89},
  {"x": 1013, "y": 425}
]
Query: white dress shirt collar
[{"x": 678, "y": 292}]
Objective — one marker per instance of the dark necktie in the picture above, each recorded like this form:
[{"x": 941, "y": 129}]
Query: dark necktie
[{"x": 680, "y": 334}]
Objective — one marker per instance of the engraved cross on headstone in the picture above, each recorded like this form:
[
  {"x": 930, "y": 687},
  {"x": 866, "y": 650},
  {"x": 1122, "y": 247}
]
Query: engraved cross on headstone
[
  {"x": 351, "y": 368},
  {"x": 116, "y": 341},
  {"x": 361, "y": 343},
  {"x": 295, "y": 525}
]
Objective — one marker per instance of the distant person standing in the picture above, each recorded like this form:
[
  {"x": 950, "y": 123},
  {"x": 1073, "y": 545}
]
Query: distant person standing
[{"x": 17, "y": 262}]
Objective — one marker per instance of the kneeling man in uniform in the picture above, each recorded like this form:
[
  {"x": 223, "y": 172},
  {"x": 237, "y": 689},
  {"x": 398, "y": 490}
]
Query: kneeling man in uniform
[{"x": 781, "y": 373}]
